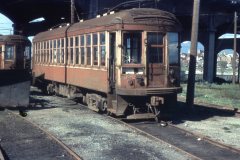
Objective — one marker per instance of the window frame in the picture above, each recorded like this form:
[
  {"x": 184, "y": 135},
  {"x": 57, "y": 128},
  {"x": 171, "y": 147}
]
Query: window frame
[
  {"x": 88, "y": 52},
  {"x": 95, "y": 60}
]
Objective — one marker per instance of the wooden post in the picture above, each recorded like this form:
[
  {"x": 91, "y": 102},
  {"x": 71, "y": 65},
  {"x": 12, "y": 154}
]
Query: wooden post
[
  {"x": 72, "y": 11},
  {"x": 234, "y": 49},
  {"x": 193, "y": 55}
]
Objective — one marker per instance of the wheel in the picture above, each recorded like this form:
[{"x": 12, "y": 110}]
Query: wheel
[
  {"x": 109, "y": 113},
  {"x": 163, "y": 123},
  {"x": 23, "y": 113},
  {"x": 103, "y": 107}
]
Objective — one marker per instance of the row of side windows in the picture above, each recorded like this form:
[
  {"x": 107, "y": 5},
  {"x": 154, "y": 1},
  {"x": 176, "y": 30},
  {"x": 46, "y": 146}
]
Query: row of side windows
[{"x": 88, "y": 49}]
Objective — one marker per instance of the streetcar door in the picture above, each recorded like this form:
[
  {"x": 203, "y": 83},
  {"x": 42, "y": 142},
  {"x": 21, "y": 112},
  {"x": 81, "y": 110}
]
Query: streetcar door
[
  {"x": 112, "y": 54},
  {"x": 156, "y": 62}
]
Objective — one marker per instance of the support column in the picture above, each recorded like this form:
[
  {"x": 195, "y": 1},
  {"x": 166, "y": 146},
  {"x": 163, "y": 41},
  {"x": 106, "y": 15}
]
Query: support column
[
  {"x": 17, "y": 29},
  {"x": 209, "y": 53},
  {"x": 209, "y": 56}
]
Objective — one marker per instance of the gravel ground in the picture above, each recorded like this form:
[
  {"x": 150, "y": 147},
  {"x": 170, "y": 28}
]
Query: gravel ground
[
  {"x": 20, "y": 140},
  {"x": 93, "y": 136},
  {"x": 222, "y": 129}
]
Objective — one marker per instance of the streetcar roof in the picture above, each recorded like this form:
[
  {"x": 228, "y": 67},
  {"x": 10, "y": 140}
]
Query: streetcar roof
[
  {"x": 135, "y": 16},
  {"x": 13, "y": 39}
]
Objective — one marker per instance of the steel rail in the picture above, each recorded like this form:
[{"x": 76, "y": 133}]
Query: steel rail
[
  {"x": 155, "y": 138},
  {"x": 206, "y": 139},
  {"x": 1, "y": 154},
  {"x": 71, "y": 152}
]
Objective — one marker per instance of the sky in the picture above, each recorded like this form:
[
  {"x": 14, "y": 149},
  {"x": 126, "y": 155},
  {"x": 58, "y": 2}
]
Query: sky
[{"x": 5, "y": 25}]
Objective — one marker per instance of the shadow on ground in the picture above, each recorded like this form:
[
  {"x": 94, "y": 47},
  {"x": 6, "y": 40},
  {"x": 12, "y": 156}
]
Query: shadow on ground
[{"x": 197, "y": 113}]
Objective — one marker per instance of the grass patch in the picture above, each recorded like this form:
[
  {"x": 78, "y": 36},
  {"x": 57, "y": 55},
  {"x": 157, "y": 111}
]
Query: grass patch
[{"x": 226, "y": 95}]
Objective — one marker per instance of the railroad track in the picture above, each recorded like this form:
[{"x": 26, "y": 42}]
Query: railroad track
[
  {"x": 154, "y": 136},
  {"x": 55, "y": 144},
  {"x": 205, "y": 138},
  {"x": 194, "y": 145}
]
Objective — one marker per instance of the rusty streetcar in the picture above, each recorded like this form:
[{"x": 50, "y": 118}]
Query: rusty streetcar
[
  {"x": 15, "y": 71},
  {"x": 127, "y": 63}
]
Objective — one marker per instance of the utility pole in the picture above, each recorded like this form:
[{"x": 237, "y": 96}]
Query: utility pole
[
  {"x": 193, "y": 55},
  {"x": 72, "y": 11},
  {"x": 234, "y": 49}
]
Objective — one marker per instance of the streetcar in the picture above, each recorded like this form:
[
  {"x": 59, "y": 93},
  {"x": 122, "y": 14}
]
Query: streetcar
[{"x": 125, "y": 63}]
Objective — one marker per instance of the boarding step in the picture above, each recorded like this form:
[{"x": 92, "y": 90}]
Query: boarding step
[{"x": 141, "y": 116}]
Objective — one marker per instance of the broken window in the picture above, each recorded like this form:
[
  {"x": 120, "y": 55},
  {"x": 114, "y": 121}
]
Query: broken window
[{"x": 132, "y": 48}]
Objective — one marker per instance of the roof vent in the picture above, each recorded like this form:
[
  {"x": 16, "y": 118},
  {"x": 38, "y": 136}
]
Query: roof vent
[
  {"x": 98, "y": 16},
  {"x": 105, "y": 14},
  {"x": 112, "y": 12},
  {"x": 81, "y": 20}
]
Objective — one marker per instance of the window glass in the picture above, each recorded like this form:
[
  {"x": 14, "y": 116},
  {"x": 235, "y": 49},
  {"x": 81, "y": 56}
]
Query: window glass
[
  {"x": 62, "y": 55},
  {"x": 71, "y": 41},
  {"x": 54, "y": 56},
  {"x": 95, "y": 49},
  {"x": 27, "y": 52},
  {"x": 173, "y": 48},
  {"x": 82, "y": 56},
  {"x": 54, "y": 51},
  {"x": 58, "y": 50},
  {"x": 62, "y": 51},
  {"x": 50, "y": 56},
  {"x": 77, "y": 55},
  {"x": 103, "y": 55},
  {"x": 82, "y": 40},
  {"x": 95, "y": 55},
  {"x": 88, "y": 39},
  {"x": 102, "y": 49},
  {"x": 88, "y": 49},
  {"x": 58, "y": 43},
  {"x": 50, "y": 52},
  {"x": 58, "y": 55},
  {"x": 102, "y": 38},
  {"x": 62, "y": 42},
  {"x": 82, "y": 51},
  {"x": 76, "y": 41},
  {"x": 155, "y": 38},
  {"x": 95, "y": 39},
  {"x": 9, "y": 52},
  {"x": 54, "y": 43},
  {"x": 71, "y": 55},
  {"x": 88, "y": 55},
  {"x": 132, "y": 47},
  {"x": 155, "y": 47}
]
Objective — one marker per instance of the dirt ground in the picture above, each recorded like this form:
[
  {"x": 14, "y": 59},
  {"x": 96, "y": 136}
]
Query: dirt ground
[{"x": 93, "y": 136}]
